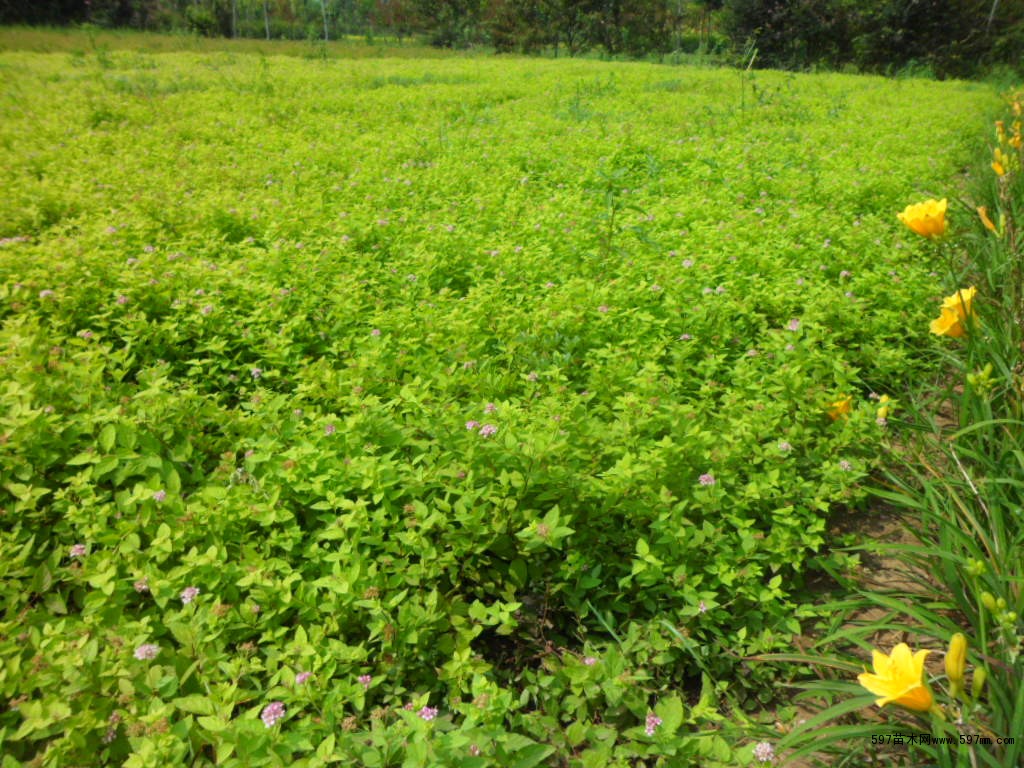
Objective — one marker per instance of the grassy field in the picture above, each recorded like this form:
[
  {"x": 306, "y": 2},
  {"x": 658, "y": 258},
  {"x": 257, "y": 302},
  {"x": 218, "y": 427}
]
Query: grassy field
[
  {"x": 466, "y": 411},
  {"x": 99, "y": 41}
]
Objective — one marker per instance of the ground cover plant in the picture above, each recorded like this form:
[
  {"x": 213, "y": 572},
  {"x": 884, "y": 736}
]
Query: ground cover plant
[{"x": 459, "y": 412}]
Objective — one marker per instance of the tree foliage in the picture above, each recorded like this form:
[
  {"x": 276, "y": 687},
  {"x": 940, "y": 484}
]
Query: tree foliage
[{"x": 950, "y": 38}]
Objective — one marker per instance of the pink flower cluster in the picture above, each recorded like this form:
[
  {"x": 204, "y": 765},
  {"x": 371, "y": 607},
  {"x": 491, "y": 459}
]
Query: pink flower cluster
[
  {"x": 653, "y": 721},
  {"x": 272, "y": 713}
]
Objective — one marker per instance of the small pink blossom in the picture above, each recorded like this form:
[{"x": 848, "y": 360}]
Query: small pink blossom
[
  {"x": 590, "y": 661},
  {"x": 427, "y": 713},
  {"x": 653, "y": 721},
  {"x": 490, "y": 408},
  {"x": 794, "y": 325},
  {"x": 471, "y": 425},
  {"x": 78, "y": 550},
  {"x": 142, "y": 585},
  {"x": 122, "y": 299},
  {"x": 147, "y": 652},
  {"x": 272, "y": 713},
  {"x": 706, "y": 479},
  {"x": 764, "y": 752},
  {"x": 329, "y": 429},
  {"x": 375, "y": 332},
  {"x": 487, "y": 430},
  {"x": 365, "y": 681},
  {"x": 45, "y": 293},
  {"x": 189, "y": 594},
  {"x": 302, "y": 677},
  {"x": 603, "y": 308},
  {"x": 160, "y": 495}
]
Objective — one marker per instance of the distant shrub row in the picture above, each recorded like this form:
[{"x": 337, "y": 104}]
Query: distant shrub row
[{"x": 945, "y": 38}]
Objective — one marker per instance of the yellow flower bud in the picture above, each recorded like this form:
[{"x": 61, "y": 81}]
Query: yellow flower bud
[
  {"x": 1000, "y": 162},
  {"x": 884, "y": 407},
  {"x": 983, "y": 215},
  {"x": 978, "y": 682},
  {"x": 956, "y": 660}
]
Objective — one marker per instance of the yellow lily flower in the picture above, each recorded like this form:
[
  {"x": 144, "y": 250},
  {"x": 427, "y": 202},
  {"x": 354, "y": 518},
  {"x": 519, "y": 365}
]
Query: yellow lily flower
[
  {"x": 841, "y": 408},
  {"x": 927, "y": 219},
  {"x": 961, "y": 302},
  {"x": 956, "y": 311},
  {"x": 948, "y": 324},
  {"x": 899, "y": 679}
]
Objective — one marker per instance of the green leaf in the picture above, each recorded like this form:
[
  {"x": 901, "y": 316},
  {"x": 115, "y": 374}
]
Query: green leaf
[
  {"x": 531, "y": 756},
  {"x": 212, "y": 723},
  {"x": 196, "y": 704},
  {"x": 107, "y": 438},
  {"x": 670, "y": 711},
  {"x": 326, "y": 748}
]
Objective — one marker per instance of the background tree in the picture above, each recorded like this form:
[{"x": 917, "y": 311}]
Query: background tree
[
  {"x": 791, "y": 33},
  {"x": 452, "y": 23}
]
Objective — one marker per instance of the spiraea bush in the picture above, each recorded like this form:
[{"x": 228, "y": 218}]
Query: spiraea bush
[{"x": 461, "y": 412}]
